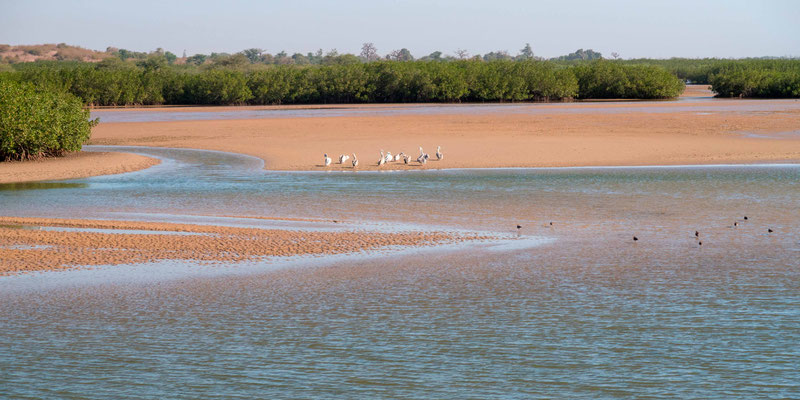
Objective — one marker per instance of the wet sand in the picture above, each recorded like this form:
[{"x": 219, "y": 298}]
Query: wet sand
[
  {"x": 73, "y": 165},
  {"x": 26, "y": 247}
]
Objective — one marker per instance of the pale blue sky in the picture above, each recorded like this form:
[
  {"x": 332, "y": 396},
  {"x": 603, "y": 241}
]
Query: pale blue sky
[{"x": 641, "y": 28}]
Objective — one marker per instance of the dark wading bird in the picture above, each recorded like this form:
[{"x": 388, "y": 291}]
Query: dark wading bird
[
  {"x": 696, "y": 234},
  {"x": 635, "y": 239},
  {"x": 769, "y": 230}
]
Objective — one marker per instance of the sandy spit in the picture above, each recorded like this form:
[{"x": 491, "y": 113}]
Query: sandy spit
[
  {"x": 24, "y": 247},
  {"x": 73, "y": 165}
]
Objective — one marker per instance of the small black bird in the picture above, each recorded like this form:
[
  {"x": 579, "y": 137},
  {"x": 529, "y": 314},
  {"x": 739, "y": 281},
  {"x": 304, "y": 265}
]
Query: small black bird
[
  {"x": 696, "y": 234},
  {"x": 745, "y": 217},
  {"x": 635, "y": 239},
  {"x": 769, "y": 230},
  {"x": 700, "y": 243},
  {"x": 735, "y": 224},
  {"x": 551, "y": 224},
  {"x": 519, "y": 226}
]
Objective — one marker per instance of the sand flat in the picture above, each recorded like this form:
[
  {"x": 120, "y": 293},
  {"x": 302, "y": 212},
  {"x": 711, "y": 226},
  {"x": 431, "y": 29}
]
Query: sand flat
[
  {"x": 486, "y": 140},
  {"x": 25, "y": 247},
  {"x": 73, "y": 165}
]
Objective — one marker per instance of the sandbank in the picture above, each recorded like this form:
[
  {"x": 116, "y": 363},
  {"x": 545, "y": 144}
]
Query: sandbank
[
  {"x": 73, "y": 165},
  {"x": 609, "y": 134},
  {"x": 25, "y": 246}
]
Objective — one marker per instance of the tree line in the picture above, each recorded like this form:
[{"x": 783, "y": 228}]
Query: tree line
[{"x": 115, "y": 83}]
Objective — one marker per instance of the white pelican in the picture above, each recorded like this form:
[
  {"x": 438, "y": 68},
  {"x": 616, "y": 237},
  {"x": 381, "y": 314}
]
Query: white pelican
[
  {"x": 327, "y": 160},
  {"x": 389, "y": 157},
  {"x": 439, "y": 155},
  {"x": 398, "y": 156},
  {"x": 343, "y": 158},
  {"x": 420, "y": 151},
  {"x": 422, "y": 159},
  {"x": 382, "y": 160},
  {"x": 406, "y": 158},
  {"x": 355, "y": 160}
]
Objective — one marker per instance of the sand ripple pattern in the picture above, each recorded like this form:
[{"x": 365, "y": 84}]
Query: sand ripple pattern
[{"x": 24, "y": 247}]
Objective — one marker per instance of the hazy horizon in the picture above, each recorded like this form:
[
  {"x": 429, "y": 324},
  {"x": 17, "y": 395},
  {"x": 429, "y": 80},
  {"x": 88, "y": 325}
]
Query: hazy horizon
[{"x": 724, "y": 29}]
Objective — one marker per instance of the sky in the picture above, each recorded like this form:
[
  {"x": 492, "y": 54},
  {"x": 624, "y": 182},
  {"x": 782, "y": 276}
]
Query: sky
[{"x": 652, "y": 28}]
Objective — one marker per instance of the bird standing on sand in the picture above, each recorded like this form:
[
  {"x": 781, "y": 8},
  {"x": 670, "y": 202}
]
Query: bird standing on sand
[
  {"x": 769, "y": 230},
  {"x": 389, "y": 157},
  {"x": 382, "y": 160},
  {"x": 735, "y": 224},
  {"x": 696, "y": 234},
  {"x": 343, "y": 158},
  {"x": 745, "y": 217},
  {"x": 423, "y": 157},
  {"x": 439, "y": 155},
  {"x": 398, "y": 156},
  {"x": 635, "y": 239},
  {"x": 406, "y": 158},
  {"x": 327, "y": 160},
  {"x": 355, "y": 160}
]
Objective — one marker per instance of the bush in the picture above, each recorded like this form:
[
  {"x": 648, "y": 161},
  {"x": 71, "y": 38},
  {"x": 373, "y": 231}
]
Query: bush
[
  {"x": 757, "y": 78},
  {"x": 613, "y": 80},
  {"x": 37, "y": 122}
]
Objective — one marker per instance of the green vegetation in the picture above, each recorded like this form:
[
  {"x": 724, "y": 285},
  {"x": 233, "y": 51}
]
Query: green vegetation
[
  {"x": 234, "y": 80},
  {"x": 253, "y": 76},
  {"x": 38, "y": 122},
  {"x": 757, "y": 78},
  {"x": 608, "y": 80}
]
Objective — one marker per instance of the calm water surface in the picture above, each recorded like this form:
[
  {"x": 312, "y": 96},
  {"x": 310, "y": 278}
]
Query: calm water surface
[
  {"x": 588, "y": 314},
  {"x": 704, "y": 105}
]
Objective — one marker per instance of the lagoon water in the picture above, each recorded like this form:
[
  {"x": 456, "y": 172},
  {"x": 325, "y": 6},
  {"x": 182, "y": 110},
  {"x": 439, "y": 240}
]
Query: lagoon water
[{"x": 587, "y": 313}]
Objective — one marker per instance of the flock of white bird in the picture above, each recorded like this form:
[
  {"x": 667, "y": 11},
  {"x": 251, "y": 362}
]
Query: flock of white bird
[{"x": 387, "y": 157}]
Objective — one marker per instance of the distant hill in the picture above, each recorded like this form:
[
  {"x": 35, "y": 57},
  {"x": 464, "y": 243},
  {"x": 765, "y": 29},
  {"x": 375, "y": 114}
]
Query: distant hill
[{"x": 61, "y": 51}]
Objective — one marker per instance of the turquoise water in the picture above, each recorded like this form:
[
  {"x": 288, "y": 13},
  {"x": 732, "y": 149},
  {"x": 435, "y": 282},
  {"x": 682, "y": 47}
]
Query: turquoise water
[{"x": 589, "y": 313}]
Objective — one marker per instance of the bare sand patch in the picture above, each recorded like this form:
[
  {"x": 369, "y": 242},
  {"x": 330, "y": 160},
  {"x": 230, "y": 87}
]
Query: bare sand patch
[
  {"x": 73, "y": 165},
  {"x": 697, "y": 91},
  {"x": 24, "y": 247}
]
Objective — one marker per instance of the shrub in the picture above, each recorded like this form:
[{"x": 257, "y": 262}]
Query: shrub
[
  {"x": 757, "y": 78},
  {"x": 37, "y": 122},
  {"x": 612, "y": 80}
]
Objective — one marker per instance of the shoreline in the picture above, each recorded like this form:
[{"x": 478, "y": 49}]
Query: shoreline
[{"x": 76, "y": 165}]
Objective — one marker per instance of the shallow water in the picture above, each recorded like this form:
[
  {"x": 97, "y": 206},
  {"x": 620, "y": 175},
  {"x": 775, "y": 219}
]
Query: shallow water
[
  {"x": 702, "y": 105},
  {"x": 588, "y": 314}
]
